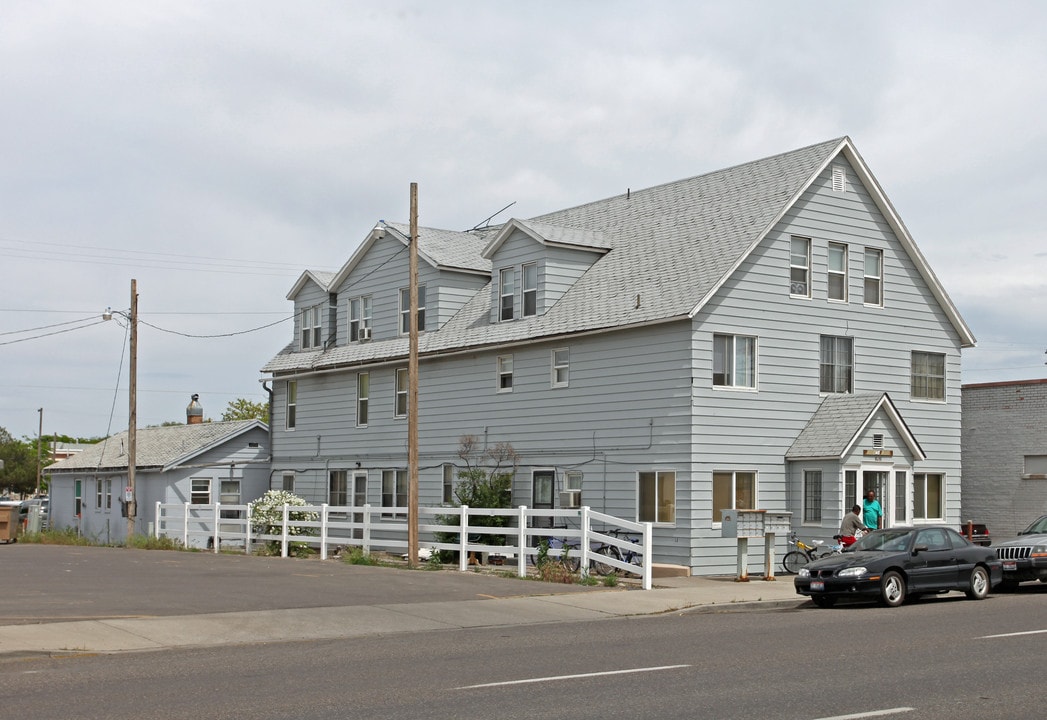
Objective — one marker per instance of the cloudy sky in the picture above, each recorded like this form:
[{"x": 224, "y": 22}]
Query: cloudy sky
[{"x": 214, "y": 150}]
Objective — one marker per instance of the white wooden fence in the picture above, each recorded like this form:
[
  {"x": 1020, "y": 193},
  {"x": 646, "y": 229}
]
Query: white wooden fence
[{"x": 582, "y": 531}]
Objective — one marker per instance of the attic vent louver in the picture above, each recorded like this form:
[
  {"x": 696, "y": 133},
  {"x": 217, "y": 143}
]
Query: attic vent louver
[
  {"x": 839, "y": 179},
  {"x": 877, "y": 440}
]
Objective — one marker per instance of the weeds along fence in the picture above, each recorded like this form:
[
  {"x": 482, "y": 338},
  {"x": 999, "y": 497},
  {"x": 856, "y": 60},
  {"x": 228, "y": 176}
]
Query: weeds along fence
[{"x": 514, "y": 535}]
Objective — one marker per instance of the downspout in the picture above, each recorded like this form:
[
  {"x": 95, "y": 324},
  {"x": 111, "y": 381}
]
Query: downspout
[{"x": 269, "y": 425}]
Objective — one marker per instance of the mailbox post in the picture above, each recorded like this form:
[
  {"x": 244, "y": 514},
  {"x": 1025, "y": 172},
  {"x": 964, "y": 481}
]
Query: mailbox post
[{"x": 744, "y": 524}]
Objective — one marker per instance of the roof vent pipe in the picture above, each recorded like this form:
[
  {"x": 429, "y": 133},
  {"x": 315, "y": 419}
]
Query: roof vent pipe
[{"x": 194, "y": 412}]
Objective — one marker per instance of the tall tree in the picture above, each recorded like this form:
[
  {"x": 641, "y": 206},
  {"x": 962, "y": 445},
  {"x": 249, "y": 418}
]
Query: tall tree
[
  {"x": 19, "y": 473},
  {"x": 243, "y": 409}
]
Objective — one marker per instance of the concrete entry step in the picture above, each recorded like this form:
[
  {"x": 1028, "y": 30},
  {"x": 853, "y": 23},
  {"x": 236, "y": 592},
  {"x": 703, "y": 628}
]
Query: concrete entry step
[{"x": 663, "y": 570}]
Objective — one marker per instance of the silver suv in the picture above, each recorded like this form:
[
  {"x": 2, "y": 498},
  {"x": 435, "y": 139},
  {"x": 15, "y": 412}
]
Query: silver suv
[{"x": 1024, "y": 557}]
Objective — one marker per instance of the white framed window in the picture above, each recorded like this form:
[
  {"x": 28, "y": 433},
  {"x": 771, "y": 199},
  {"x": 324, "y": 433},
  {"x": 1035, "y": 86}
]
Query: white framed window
[
  {"x": 448, "y": 484},
  {"x": 291, "y": 414},
  {"x": 733, "y": 490},
  {"x": 394, "y": 491},
  {"x": 657, "y": 496},
  {"x": 108, "y": 493},
  {"x": 359, "y": 317},
  {"x": 928, "y": 376},
  {"x": 338, "y": 488},
  {"x": 400, "y": 407},
  {"x": 229, "y": 494},
  {"x": 311, "y": 328},
  {"x": 363, "y": 397},
  {"x": 873, "y": 277},
  {"x": 287, "y": 482},
  {"x": 506, "y": 293},
  {"x": 405, "y": 309},
  {"x": 561, "y": 367},
  {"x": 837, "y": 272},
  {"x": 928, "y": 496},
  {"x": 78, "y": 498},
  {"x": 836, "y": 364},
  {"x": 200, "y": 491},
  {"x": 505, "y": 373},
  {"x": 812, "y": 496},
  {"x": 530, "y": 289},
  {"x": 98, "y": 493},
  {"x": 800, "y": 267},
  {"x": 734, "y": 361}
]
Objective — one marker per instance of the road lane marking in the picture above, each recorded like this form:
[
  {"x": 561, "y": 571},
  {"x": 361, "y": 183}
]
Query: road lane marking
[
  {"x": 871, "y": 713},
  {"x": 1016, "y": 634},
  {"x": 571, "y": 677}
]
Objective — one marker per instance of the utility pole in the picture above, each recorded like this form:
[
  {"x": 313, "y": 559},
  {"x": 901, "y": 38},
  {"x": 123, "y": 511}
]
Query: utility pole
[
  {"x": 132, "y": 413},
  {"x": 412, "y": 392},
  {"x": 39, "y": 450}
]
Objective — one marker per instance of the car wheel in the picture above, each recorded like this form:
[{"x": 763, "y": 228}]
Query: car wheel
[
  {"x": 892, "y": 589},
  {"x": 979, "y": 585},
  {"x": 823, "y": 601}
]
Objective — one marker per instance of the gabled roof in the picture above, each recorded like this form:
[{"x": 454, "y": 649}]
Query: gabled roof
[
  {"x": 157, "y": 447},
  {"x": 668, "y": 249},
  {"x": 323, "y": 279},
  {"x": 840, "y": 422}
]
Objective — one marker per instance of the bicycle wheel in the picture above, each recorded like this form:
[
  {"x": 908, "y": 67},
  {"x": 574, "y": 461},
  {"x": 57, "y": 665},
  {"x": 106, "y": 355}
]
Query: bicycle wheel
[
  {"x": 603, "y": 568},
  {"x": 572, "y": 564},
  {"x": 793, "y": 561}
]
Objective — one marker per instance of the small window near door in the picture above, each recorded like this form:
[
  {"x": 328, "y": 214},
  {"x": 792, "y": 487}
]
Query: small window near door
[
  {"x": 812, "y": 496},
  {"x": 733, "y": 490},
  {"x": 200, "y": 491},
  {"x": 928, "y": 496},
  {"x": 657, "y": 497},
  {"x": 287, "y": 482}
]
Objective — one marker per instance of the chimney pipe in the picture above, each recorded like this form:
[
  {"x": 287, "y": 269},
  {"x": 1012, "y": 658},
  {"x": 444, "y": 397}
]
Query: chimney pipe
[{"x": 194, "y": 413}]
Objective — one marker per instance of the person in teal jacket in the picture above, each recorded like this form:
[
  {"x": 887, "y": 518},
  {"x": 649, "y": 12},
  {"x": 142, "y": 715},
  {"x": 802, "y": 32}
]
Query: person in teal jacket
[{"x": 872, "y": 513}]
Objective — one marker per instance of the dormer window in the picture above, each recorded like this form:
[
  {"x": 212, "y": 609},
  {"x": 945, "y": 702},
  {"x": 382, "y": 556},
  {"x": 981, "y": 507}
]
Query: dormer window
[
  {"x": 506, "y": 293},
  {"x": 530, "y": 289},
  {"x": 359, "y": 318},
  {"x": 405, "y": 309},
  {"x": 311, "y": 328}
]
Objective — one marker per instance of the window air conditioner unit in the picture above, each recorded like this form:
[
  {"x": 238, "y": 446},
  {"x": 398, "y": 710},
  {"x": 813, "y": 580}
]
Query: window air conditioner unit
[
  {"x": 365, "y": 334},
  {"x": 571, "y": 498}
]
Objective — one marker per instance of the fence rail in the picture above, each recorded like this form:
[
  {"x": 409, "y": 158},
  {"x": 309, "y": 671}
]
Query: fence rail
[{"x": 515, "y": 533}]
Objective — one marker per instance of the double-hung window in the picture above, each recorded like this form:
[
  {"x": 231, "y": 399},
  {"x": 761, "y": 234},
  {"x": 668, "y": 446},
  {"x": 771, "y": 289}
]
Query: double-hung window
[
  {"x": 287, "y": 482},
  {"x": 291, "y": 415},
  {"x": 98, "y": 493},
  {"x": 800, "y": 267},
  {"x": 928, "y": 496},
  {"x": 108, "y": 493},
  {"x": 311, "y": 328},
  {"x": 657, "y": 493},
  {"x": 733, "y": 490},
  {"x": 837, "y": 272},
  {"x": 200, "y": 491},
  {"x": 506, "y": 293},
  {"x": 561, "y": 370},
  {"x": 734, "y": 361},
  {"x": 928, "y": 375},
  {"x": 359, "y": 318},
  {"x": 812, "y": 496},
  {"x": 338, "y": 492},
  {"x": 394, "y": 491},
  {"x": 530, "y": 289},
  {"x": 505, "y": 373},
  {"x": 836, "y": 368},
  {"x": 363, "y": 397},
  {"x": 873, "y": 276},
  {"x": 405, "y": 309},
  {"x": 400, "y": 405}
]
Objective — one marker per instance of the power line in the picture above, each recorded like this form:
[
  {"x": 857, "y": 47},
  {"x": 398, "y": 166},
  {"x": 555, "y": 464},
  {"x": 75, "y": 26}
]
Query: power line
[
  {"x": 56, "y": 332},
  {"x": 45, "y": 327},
  {"x": 220, "y": 335}
]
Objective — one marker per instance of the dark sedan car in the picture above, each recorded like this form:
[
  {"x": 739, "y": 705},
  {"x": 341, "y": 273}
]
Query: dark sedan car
[
  {"x": 1025, "y": 557},
  {"x": 897, "y": 563}
]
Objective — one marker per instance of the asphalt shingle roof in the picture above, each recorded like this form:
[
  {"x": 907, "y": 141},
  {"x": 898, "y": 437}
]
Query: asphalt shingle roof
[{"x": 155, "y": 446}]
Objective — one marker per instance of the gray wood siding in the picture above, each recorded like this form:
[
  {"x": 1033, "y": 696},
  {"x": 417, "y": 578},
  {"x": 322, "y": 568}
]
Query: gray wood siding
[{"x": 736, "y": 430}]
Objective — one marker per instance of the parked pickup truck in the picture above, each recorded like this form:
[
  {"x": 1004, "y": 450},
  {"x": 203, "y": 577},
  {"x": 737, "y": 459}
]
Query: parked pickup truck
[{"x": 1024, "y": 557}]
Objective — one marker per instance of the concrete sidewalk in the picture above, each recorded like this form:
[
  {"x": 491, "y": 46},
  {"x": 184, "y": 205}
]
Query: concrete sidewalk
[{"x": 363, "y": 609}]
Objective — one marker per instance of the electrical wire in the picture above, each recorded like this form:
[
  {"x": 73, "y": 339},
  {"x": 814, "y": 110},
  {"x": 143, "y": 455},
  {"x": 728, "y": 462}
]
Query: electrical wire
[
  {"x": 45, "y": 327},
  {"x": 220, "y": 335},
  {"x": 56, "y": 332}
]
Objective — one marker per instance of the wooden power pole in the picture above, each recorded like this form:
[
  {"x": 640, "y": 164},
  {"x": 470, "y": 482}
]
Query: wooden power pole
[
  {"x": 132, "y": 414},
  {"x": 412, "y": 392}
]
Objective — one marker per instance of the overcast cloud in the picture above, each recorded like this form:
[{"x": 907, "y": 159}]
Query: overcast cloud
[{"x": 214, "y": 150}]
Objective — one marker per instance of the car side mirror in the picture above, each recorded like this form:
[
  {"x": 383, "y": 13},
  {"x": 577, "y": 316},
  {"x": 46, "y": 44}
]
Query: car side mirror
[{"x": 919, "y": 549}]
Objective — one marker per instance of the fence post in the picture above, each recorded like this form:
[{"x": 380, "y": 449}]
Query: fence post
[
  {"x": 283, "y": 532},
  {"x": 156, "y": 528},
  {"x": 323, "y": 531},
  {"x": 463, "y": 538},
  {"x": 247, "y": 530},
  {"x": 648, "y": 548},
  {"x": 217, "y": 529},
  {"x": 185, "y": 526},
  {"x": 366, "y": 541},
  {"x": 583, "y": 541},
  {"x": 522, "y": 545}
]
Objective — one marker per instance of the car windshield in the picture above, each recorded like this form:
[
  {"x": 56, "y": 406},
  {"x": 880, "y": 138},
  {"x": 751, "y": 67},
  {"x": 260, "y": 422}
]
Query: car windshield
[
  {"x": 884, "y": 540},
  {"x": 1038, "y": 526}
]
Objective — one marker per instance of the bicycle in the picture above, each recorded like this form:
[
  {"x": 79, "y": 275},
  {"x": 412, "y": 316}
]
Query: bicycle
[
  {"x": 803, "y": 554},
  {"x": 613, "y": 551},
  {"x": 558, "y": 549}
]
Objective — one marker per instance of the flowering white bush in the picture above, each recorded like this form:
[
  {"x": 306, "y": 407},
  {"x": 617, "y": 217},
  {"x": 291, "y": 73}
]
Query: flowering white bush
[{"x": 267, "y": 513}]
